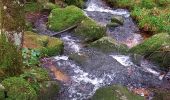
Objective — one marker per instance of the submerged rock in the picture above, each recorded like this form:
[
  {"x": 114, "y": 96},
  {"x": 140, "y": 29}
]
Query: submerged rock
[
  {"x": 115, "y": 92},
  {"x": 90, "y": 30},
  {"x": 47, "y": 45},
  {"x": 108, "y": 44},
  {"x": 156, "y": 48},
  {"x": 62, "y": 18}
]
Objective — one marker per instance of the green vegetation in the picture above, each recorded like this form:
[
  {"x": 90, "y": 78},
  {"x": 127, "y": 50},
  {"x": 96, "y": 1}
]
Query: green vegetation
[
  {"x": 78, "y": 3},
  {"x": 151, "y": 15},
  {"x": 90, "y": 30},
  {"x": 32, "y": 6},
  {"x": 62, "y": 18},
  {"x": 108, "y": 44},
  {"x": 10, "y": 62},
  {"x": 156, "y": 48},
  {"x": 19, "y": 89},
  {"x": 115, "y": 92},
  {"x": 47, "y": 46}
]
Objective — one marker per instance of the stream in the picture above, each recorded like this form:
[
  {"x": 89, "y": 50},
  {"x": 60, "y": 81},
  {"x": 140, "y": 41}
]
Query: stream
[{"x": 93, "y": 69}]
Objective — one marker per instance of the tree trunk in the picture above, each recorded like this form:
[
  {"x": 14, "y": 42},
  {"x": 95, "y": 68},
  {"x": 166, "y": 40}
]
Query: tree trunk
[{"x": 13, "y": 20}]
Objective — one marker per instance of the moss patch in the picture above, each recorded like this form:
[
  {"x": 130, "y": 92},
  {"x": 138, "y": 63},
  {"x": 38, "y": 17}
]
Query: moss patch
[
  {"x": 115, "y": 92},
  {"x": 47, "y": 45},
  {"x": 156, "y": 48},
  {"x": 62, "y": 18},
  {"x": 90, "y": 30}
]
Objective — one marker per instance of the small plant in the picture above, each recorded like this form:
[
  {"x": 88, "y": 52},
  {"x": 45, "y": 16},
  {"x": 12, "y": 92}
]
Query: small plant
[{"x": 30, "y": 57}]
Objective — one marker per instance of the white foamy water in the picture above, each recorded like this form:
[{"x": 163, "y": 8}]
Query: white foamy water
[
  {"x": 123, "y": 60},
  {"x": 92, "y": 6},
  {"x": 61, "y": 58},
  {"x": 71, "y": 43}
]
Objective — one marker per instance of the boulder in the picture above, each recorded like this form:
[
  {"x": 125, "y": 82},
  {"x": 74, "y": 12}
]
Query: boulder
[
  {"x": 156, "y": 48},
  {"x": 90, "y": 30},
  {"x": 49, "y": 46},
  {"x": 108, "y": 44},
  {"x": 112, "y": 25},
  {"x": 63, "y": 18},
  {"x": 115, "y": 92},
  {"x": 117, "y": 19}
]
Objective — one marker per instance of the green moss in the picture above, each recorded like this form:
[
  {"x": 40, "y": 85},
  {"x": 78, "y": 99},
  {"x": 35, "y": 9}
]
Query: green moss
[
  {"x": 48, "y": 46},
  {"x": 51, "y": 6},
  {"x": 107, "y": 44},
  {"x": 78, "y": 3},
  {"x": 19, "y": 89},
  {"x": 115, "y": 92},
  {"x": 90, "y": 30},
  {"x": 156, "y": 48},
  {"x": 32, "y": 6},
  {"x": 62, "y": 18}
]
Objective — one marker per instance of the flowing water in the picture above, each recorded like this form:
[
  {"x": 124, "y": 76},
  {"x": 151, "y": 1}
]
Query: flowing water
[{"x": 92, "y": 69}]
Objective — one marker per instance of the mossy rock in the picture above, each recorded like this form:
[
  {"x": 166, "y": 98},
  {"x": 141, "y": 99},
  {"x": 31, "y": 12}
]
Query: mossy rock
[
  {"x": 49, "y": 46},
  {"x": 62, "y": 18},
  {"x": 156, "y": 48},
  {"x": 108, "y": 44},
  {"x": 79, "y": 58},
  {"x": 19, "y": 89},
  {"x": 78, "y": 3},
  {"x": 48, "y": 90},
  {"x": 2, "y": 94},
  {"x": 112, "y": 25},
  {"x": 117, "y": 19},
  {"x": 90, "y": 30},
  {"x": 115, "y": 92}
]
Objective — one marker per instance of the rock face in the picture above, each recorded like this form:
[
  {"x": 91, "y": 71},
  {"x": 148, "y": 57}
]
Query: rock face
[
  {"x": 90, "y": 30},
  {"x": 108, "y": 44},
  {"x": 115, "y": 92},
  {"x": 47, "y": 45},
  {"x": 62, "y": 18},
  {"x": 156, "y": 48}
]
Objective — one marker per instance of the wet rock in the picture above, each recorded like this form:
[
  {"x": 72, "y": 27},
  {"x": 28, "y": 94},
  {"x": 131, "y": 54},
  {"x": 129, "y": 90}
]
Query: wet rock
[
  {"x": 156, "y": 48},
  {"x": 48, "y": 90},
  {"x": 47, "y": 45},
  {"x": 57, "y": 18},
  {"x": 90, "y": 30},
  {"x": 115, "y": 92},
  {"x": 117, "y": 19},
  {"x": 79, "y": 58},
  {"x": 167, "y": 76},
  {"x": 112, "y": 25},
  {"x": 136, "y": 58},
  {"x": 108, "y": 44}
]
